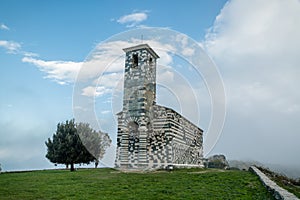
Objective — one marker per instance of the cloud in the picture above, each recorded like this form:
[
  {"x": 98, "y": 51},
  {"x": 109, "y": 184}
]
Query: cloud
[
  {"x": 103, "y": 68},
  {"x": 92, "y": 91},
  {"x": 106, "y": 64},
  {"x": 10, "y": 46},
  {"x": 105, "y": 112},
  {"x": 259, "y": 45},
  {"x": 13, "y": 47},
  {"x": 133, "y": 19},
  {"x": 4, "y": 27},
  {"x": 188, "y": 51},
  {"x": 255, "y": 45},
  {"x": 61, "y": 72},
  {"x": 30, "y": 54},
  {"x": 255, "y": 31},
  {"x": 185, "y": 48}
]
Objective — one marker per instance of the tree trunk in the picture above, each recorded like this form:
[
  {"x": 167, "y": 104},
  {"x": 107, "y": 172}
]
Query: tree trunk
[{"x": 72, "y": 167}]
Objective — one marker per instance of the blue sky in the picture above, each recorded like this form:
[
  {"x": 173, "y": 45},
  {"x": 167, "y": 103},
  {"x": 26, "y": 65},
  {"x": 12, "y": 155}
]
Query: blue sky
[{"x": 253, "y": 44}]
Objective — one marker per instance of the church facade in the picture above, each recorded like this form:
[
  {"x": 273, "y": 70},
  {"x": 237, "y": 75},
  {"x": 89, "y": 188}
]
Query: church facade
[{"x": 151, "y": 136}]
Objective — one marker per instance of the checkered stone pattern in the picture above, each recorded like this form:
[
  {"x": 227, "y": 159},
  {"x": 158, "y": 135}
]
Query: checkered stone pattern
[
  {"x": 159, "y": 150},
  {"x": 184, "y": 140},
  {"x": 151, "y": 136}
]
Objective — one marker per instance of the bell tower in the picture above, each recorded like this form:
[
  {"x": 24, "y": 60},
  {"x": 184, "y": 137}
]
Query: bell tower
[
  {"x": 139, "y": 80},
  {"x": 134, "y": 122}
]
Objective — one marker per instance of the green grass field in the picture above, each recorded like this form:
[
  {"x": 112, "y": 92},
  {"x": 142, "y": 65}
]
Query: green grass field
[{"x": 112, "y": 184}]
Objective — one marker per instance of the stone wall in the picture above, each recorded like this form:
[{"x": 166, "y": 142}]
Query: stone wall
[{"x": 277, "y": 191}]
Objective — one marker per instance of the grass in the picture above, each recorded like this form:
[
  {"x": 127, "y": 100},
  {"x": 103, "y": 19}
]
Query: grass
[{"x": 112, "y": 184}]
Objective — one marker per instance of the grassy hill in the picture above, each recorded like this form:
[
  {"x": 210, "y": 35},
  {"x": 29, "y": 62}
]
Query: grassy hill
[{"x": 112, "y": 184}]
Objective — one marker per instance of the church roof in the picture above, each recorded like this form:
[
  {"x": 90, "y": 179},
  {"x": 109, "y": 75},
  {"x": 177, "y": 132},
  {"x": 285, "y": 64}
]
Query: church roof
[{"x": 142, "y": 46}]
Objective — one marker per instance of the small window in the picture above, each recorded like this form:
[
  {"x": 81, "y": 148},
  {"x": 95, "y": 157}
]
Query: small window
[
  {"x": 135, "y": 60},
  {"x": 150, "y": 60}
]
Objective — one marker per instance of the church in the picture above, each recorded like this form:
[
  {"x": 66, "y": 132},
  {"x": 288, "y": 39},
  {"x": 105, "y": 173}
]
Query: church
[{"x": 151, "y": 136}]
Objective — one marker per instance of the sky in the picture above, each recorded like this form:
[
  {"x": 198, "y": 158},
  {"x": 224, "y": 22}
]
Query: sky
[{"x": 47, "y": 47}]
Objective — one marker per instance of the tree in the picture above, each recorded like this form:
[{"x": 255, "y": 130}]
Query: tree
[
  {"x": 67, "y": 148},
  {"x": 96, "y": 142},
  {"x": 217, "y": 161}
]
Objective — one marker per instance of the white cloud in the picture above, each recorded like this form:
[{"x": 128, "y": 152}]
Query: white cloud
[
  {"x": 259, "y": 42},
  {"x": 60, "y": 71},
  {"x": 183, "y": 39},
  {"x": 30, "y": 54},
  {"x": 133, "y": 19},
  {"x": 105, "y": 84},
  {"x": 105, "y": 112},
  {"x": 11, "y": 46},
  {"x": 185, "y": 48},
  {"x": 177, "y": 91},
  {"x": 264, "y": 28},
  {"x": 188, "y": 51},
  {"x": 91, "y": 91},
  {"x": 166, "y": 75},
  {"x": 106, "y": 64},
  {"x": 256, "y": 44},
  {"x": 110, "y": 80},
  {"x": 4, "y": 27}
]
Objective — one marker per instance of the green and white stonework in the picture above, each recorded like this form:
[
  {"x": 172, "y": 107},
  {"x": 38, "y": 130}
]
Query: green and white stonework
[{"x": 151, "y": 136}]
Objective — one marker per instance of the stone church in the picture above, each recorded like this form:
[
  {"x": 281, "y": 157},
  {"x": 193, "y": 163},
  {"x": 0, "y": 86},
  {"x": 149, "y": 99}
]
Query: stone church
[{"x": 151, "y": 136}]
